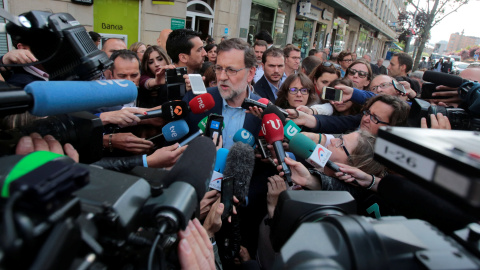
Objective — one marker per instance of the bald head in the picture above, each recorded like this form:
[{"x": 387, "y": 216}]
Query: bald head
[
  {"x": 162, "y": 38},
  {"x": 113, "y": 44}
]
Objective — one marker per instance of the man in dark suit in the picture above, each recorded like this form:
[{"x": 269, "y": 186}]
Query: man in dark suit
[
  {"x": 381, "y": 68},
  {"x": 273, "y": 67}
]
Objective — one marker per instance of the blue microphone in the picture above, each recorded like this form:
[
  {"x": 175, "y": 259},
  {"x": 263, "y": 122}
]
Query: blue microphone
[
  {"x": 60, "y": 97},
  {"x": 244, "y": 136},
  {"x": 173, "y": 131},
  {"x": 217, "y": 176}
]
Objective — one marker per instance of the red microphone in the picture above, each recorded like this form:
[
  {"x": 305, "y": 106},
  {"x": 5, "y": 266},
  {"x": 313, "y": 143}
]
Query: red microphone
[
  {"x": 264, "y": 101},
  {"x": 201, "y": 103},
  {"x": 272, "y": 127}
]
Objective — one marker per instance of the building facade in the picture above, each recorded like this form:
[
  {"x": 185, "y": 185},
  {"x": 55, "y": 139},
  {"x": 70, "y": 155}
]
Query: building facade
[
  {"x": 459, "y": 41},
  {"x": 361, "y": 26}
]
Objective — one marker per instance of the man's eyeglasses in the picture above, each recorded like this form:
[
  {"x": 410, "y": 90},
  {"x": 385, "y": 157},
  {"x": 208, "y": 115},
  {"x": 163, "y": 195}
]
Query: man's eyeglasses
[
  {"x": 361, "y": 74},
  {"x": 341, "y": 143},
  {"x": 328, "y": 64},
  {"x": 295, "y": 90},
  {"x": 229, "y": 71},
  {"x": 381, "y": 86},
  {"x": 374, "y": 118}
]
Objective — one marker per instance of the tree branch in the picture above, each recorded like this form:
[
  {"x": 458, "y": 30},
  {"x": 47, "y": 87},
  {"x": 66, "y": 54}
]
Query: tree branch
[{"x": 455, "y": 10}]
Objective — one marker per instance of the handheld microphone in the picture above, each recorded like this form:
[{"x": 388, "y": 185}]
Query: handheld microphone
[
  {"x": 291, "y": 129},
  {"x": 217, "y": 176},
  {"x": 315, "y": 154},
  {"x": 277, "y": 111},
  {"x": 174, "y": 130},
  {"x": 201, "y": 130},
  {"x": 170, "y": 111},
  {"x": 273, "y": 128},
  {"x": 440, "y": 78},
  {"x": 61, "y": 97},
  {"x": 247, "y": 102},
  {"x": 201, "y": 103},
  {"x": 187, "y": 183},
  {"x": 244, "y": 136}
]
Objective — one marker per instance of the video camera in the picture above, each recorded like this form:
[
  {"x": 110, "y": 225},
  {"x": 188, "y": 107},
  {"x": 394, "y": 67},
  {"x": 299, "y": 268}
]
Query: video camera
[
  {"x": 318, "y": 229},
  {"x": 460, "y": 119}
]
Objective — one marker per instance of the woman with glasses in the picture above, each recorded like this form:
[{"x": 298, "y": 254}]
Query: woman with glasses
[
  {"x": 360, "y": 73},
  {"x": 152, "y": 91},
  {"x": 139, "y": 48},
  {"x": 344, "y": 58},
  {"x": 297, "y": 90}
]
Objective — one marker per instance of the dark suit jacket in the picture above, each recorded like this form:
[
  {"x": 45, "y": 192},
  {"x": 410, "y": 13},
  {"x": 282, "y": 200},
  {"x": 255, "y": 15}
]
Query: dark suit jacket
[
  {"x": 374, "y": 68},
  {"x": 383, "y": 70},
  {"x": 262, "y": 88},
  {"x": 252, "y": 123},
  {"x": 337, "y": 124}
]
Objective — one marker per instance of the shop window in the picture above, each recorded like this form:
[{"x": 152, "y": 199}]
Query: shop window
[{"x": 261, "y": 18}]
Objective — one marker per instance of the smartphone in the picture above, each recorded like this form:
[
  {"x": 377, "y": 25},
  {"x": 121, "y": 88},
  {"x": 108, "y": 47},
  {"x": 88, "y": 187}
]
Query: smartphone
[
  {"x": 330, "y": 93},
  {"x": 214, "y": 126},
  {"x": 227, "y": 196},
  {"x": 175, "y": 83},
  {"x": 198, "y": 86},
  {"x": 399, "y": 87}
]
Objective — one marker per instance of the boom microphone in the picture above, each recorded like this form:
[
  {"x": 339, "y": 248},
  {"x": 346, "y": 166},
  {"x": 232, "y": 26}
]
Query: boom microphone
[
  {"x": 61, "y": 97},
  {"x": 413, "y": 201},
  {"x": 273, "y": 128},
  {"x": 440, "y": 78},
  {"x": 239, "y": 165}
]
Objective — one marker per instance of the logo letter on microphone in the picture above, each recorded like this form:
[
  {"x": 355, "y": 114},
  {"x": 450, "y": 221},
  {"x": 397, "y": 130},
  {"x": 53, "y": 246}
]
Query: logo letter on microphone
[
  {"x": 178, "y": 110},
  {"x": 263, "y": 130},
  {"x": 244, "y": 135},
  {"x": 272, "y": 123},
  {"x": 172, "y": 129},
  {"x": 119, "y": 82},
  {"x": 200, "y": 104},
  {"x": 291, "y": 131}
]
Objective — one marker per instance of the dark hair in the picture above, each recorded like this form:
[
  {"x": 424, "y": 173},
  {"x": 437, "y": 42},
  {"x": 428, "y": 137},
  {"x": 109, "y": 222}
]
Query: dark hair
[
  {"x": 209, "y": 40},
  {"x": 238, "y": 44},
  {"x": 95, "y": 36},
  {"x": 313, "y": 52},
  {"x": 405, "y": 59},
  {"x": 287, "y": 50},
  {"x": 320, "y": 69},
  {"x": 355, "y": 108},
  {"x": 282, "y": 100},
  {"x": 124, "y": 54},
  {"x": 369, "y": 68},
  {"x": 400, "y": 109},
  {"x": 260, "y": 43},
  {"x": 310, "y": 63},
  {"x": 275, "y": 52},
  {"x": 206, "y": 66},
  {"x": 264, "y": 35},
  {"x": 342, "y": 55},
  {"x": 144, "y": 67},
  {"x": 179, "y": 42},
  {"x": 210, "y": 76},
  {"x": 210, "y": 46}
]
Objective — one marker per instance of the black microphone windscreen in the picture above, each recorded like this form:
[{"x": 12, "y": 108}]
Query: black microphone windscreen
[
  {"x": 440, "y": 78},
  {"x": 239, "y": 165},
  {"x": 274, "y": 109},
  {"x": 195, "y": 166},
  {"x": 413, "y": 201}
]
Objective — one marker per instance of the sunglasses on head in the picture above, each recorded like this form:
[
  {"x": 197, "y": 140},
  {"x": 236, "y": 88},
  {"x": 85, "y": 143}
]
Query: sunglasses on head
[{"x": 328, "y": 64}]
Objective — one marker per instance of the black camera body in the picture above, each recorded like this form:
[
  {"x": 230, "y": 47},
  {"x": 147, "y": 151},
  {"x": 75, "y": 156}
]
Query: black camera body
[
  {"x": 175, "y": 82},
  {"x": 59, "y": 39}
]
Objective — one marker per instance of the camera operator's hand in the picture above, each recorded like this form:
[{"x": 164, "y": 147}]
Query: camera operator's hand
[
  {"x": 124, "y": 117},
  {"x": 302, "y": 119},
  {"x": 300, "y": 174},
  {"x": 356, "y": 177},
  {"x": 35, "y": 142},
  {"x": 128, "y": 142},
  {"x": 165, "y": 157},
  {"x": 276, "y": 185},
  {"x": 438, "y": 122},
  {"x": 206, "y": 203},
  {"x": 19, "y": 56},
  {"x": 444, "y": 91},
  {"x": 195, "y": 251},
  {"x": 213, "y": 221}
]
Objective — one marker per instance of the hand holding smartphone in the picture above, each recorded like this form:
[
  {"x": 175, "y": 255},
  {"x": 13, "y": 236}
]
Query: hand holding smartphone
[{"x": 198, "y": 86}]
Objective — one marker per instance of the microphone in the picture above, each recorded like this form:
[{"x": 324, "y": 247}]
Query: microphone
[
  {"x": 202, "y": 126},
  {"x": 261, "y": 103},
  {"x": 201, "y": 103},
  {"x": 276, "y": 110},
  {"x": 413, "y": 201},
  {"x": 440, "y": 78},
  {"x": 217, "y": 176},
  {"x": 239, "y": 165},
  {"x": 171, "y": 110},
  {"x": 61, "y": 97},
  {"x": 173, "y": 131},
  {"x": 315, "y": 154},
  {"x": 244, "y": 136},
  {"x": 187, "y": 183},
  {"x": 273, "y": 128},
  {"x": 291, "y": 129}
]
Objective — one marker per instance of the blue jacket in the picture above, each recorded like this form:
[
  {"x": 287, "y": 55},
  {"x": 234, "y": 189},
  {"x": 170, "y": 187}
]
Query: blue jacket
[{"x": 262, "y": 88}]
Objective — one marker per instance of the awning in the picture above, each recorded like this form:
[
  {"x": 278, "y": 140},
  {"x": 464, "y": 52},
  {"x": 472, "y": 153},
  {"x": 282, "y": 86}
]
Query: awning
[{"x": 396, "y": 46}]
